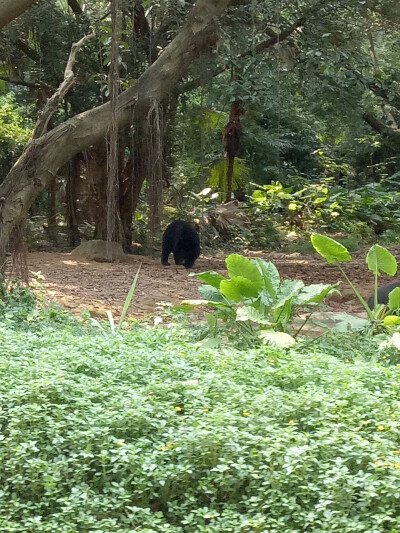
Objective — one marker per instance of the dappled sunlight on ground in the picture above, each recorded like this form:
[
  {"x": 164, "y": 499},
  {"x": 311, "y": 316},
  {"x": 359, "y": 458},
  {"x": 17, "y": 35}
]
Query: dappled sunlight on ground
[{"x": 79, "y": 285}]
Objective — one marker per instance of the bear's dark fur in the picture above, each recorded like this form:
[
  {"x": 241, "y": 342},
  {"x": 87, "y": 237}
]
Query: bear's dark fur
[
  {"x": 383, "y": 294},
  {"x": 181, "y": 239}
]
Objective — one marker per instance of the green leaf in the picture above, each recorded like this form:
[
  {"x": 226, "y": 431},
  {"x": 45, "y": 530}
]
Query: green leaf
[
  {"x": 345, "y": 322},
  {"x": 238, "y": 289},
  {"x": 209, "y": 292},
  {"x": 186, "y": 307},
  {"x": 394, "y": 298},
  {"x": 329, "y": 249},
  {"x": 283, "y": 313},
  {"x": 241, "y": 267},
  {"x": 381, "y": 260},
  {"x": 391, "y": 320},
  {"x": 288, "y": 290},
  {"x": 210, "y": 277},
  {"x": 111, "y": 320},
  {"x": 248, "y": 312},
  {"x": 128, "y": 298},
  {"x": 270, "y": 276},
  {"x": 211, "y": 319},
  {"x": 315, "y": 293}
]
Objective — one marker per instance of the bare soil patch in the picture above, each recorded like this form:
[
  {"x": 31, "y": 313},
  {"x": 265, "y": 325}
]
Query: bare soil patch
[{"x": 78, "y": 284}]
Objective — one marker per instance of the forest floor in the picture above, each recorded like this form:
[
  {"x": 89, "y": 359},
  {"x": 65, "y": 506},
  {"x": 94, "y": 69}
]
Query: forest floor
[{"x": 79, "y": 285}]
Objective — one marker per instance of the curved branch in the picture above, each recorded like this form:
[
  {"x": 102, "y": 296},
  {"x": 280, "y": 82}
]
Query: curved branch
[
  {"x": 32, "y": 84},
  {"x": 380, "y": 127},
  {"x": 69, "y": 80},
  {"x": 11, "y": 9}
]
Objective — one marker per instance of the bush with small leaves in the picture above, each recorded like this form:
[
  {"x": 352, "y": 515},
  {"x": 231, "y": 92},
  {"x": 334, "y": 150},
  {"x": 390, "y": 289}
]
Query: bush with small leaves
[{"x": 144, "y": 431}]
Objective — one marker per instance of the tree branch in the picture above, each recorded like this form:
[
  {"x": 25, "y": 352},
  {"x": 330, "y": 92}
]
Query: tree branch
[
  {"x": 274, "y": 38},
  {"x": 66, "y": 84},
  {"x": 75, "y": 6},
  {"x": 11, "y": 9},
  {"x": 30, "y": 52},
  {"x": 32, "y": 84},
  {"x": 380, "y": 127}
]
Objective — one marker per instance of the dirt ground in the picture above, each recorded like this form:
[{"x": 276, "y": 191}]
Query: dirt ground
[{"x": 79, "y": 284}]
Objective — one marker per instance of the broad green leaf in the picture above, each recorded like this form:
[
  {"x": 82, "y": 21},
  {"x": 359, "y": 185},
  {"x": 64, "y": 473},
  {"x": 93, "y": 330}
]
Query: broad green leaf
[
  {"x": 210, "y": 277},
  {"x": 315, "y": 293},
  {"x": 284, "y": 340},
  {"x": 241, "y": 267},
  {"x": 391, "y": 320},
  {"x": 329, "y": 249},
  {"x": 288, "y": 289},
  {"x": 345, "y": 322},
  {"x": 394, "y": 298},
  {"x": 270, "y": 275},
  {"x": 248, "y": 312},
  {"x": 238, "y": 288},
  {"x": 265, "y": 298},
  {"x": 283, "y": 313},
  {"x": 259, "y": 196},
  {"x": 381, "y": 260},
  {"x": 209, "y": 292}
]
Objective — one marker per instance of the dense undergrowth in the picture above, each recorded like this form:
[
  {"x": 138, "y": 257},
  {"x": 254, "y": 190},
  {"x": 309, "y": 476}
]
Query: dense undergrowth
[{"x": 145, "y": 431}]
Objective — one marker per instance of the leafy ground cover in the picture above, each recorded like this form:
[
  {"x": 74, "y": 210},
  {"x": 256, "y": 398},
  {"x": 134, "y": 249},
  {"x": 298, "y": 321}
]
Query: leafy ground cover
[{"x": 144, "y": 431}]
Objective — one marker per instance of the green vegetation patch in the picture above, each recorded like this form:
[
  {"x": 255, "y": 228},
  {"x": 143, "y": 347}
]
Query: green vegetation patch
[{"x": 142, "y": 431}]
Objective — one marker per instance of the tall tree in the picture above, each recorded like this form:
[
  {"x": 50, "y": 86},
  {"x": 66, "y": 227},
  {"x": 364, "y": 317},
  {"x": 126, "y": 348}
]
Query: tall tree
[{"x": 46, "y": 153}]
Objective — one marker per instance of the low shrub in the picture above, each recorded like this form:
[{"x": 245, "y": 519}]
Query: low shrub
[{"x": 142, "y": 431}]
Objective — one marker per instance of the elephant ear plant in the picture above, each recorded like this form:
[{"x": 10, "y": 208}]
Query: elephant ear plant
[
  {"x": 253, "y": 302},
  {"x": 379, "y": 260}
]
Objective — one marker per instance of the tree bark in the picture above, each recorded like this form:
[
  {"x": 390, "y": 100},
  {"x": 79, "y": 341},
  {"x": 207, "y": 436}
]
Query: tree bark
[
  {"x": 380, "y": 127},
  {"x": 47, "y": 153},
  {"x": 11, "y": 9}
]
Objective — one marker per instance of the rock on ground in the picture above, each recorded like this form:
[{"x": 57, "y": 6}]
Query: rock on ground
[{"x": 101, "y": 251}]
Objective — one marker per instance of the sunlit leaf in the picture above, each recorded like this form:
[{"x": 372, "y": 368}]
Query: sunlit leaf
[
  {"x": 329, "y": 249},
  {"x": 381, "y": 260}
]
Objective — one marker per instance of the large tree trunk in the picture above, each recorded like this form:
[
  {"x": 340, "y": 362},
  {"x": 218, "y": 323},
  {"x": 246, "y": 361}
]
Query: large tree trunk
[
  {"x": 11, "y": 9},
  {"x": 46, "y": 154}
]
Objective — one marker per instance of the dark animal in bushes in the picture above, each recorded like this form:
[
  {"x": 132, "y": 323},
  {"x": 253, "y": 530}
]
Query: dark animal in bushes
[
  {"x": 383, "y": 294},
  {"x": 182, "y": 240}
]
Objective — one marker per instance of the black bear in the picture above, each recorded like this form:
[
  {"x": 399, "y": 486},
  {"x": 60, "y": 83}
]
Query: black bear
[
  {"x": 383, "y": 294},
  {"x": 181, "y": 239}
]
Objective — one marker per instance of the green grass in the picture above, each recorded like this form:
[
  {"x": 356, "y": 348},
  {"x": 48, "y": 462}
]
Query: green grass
[{"x": 142, "y": 431}]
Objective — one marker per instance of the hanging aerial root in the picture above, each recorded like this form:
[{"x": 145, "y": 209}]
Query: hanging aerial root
[{"x": 154, "y": 165}]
